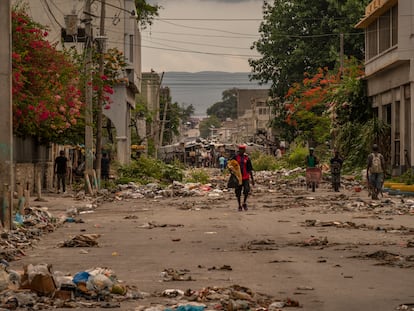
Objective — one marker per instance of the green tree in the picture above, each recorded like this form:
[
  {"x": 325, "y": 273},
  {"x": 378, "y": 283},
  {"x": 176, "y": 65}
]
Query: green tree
[
  {"x": 319, "y": 105},
  {"x": 146, "y": 12},
  {"x": 207, "y": 124},
  {"x": 172, "y": 121},
  {"x": 298, "y": 36},
  {"x": 227, "y": 108},
  {"x": 187, "y": 113}
]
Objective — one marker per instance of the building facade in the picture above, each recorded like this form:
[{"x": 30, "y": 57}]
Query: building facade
[
  {"x": 389, "y": 69},
  {"x": 151, "y": 87},
  {"x": 66, "y": 24},
  {"x": 253, "y": 115}
]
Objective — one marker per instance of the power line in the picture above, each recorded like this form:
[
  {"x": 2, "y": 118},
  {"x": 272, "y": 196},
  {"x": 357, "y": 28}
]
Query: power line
[
  {"x": 211, "y": 19},
  {"x": 204, "y": 35},
  {"x": 193, "y": 51},
  {"x": 203, "y": 28},
  {"x": 201, "y": 44},
  {"x": 166, "y": 47},
  {"x": 119, "y": 8}
]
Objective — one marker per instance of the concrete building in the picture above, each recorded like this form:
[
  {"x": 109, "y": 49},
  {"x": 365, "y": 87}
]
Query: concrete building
[
  {"x": 389, "y": 67},
  {"x": 121, "y": 32},
  {"x": 253, "y": 115},
  {"x": 151, "y": 83}
]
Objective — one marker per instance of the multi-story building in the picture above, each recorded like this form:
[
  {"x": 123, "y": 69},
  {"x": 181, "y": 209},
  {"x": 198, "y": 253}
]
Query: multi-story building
[
  {"x": 66, "y": 23},
  {"x": 389, "y": 67},
  {"x": 253, "y": 115}
]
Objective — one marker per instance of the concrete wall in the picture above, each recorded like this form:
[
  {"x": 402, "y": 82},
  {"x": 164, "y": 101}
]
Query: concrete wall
[
  {"x": 26, "y": 174},
  {"x": 390, "y": 83},
  {"x": 151, "y": 93},
  {"x": 246, "y": 96}
]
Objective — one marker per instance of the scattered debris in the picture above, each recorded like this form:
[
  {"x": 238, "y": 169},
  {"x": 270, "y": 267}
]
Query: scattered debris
[
  {"x": 390, "y": 259},
  {"x": 82, "y": 240},
  {"x": 260, "y": 245},
  {"x": 152, "y": 225},
  {"x": 170, "y": 274}
]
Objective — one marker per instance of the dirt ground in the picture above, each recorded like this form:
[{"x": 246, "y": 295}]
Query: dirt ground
[{"x": 326, "y": 250}]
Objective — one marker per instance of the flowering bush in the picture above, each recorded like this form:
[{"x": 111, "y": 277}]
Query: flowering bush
[
  {"x": 46, "y": 98},
  {"x": 322, "y": 102},
  {"x": 114, "y": 64}
]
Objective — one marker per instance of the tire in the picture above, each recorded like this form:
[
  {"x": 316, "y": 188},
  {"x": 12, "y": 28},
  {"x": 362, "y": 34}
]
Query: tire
[{"x": 313, "y": 186}]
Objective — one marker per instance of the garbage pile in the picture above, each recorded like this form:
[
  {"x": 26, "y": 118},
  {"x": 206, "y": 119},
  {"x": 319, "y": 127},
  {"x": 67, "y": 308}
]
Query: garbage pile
[
  {"x": 39, "y": 287},
  {"x": 29, "y": 228},
  {"x": 156, "y": 191},
  {"x": 230, "y": 298},
  {"x": 266, "y": 181}
]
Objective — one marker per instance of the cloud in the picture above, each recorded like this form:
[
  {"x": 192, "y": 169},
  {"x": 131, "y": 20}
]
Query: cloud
[{"x": 202, "y": 35}]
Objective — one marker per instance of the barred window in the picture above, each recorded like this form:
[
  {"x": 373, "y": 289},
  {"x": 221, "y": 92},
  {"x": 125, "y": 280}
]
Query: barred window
[{"x": 382, "y": 34}]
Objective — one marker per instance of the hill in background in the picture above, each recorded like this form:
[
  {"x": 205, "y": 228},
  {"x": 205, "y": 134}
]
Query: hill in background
[{"x": 204, "y": 89}]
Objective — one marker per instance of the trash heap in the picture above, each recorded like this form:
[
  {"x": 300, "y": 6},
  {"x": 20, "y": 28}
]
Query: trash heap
[
  {"x": 28, "y": 228},
  {"x": 266, "y": 181},
  {"x": 230, "y": 298},
  {"x": 39, "y": 287},
  {"x": 156, "y": 191}
]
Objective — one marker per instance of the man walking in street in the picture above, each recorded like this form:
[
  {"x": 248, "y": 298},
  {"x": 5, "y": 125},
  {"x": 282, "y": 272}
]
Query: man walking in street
[
  {"x": 311, "y": 160},
  {"x": 60, "y": 168},
  {"x": 336, "y": 166},
  {"x": 246, "y": 173},
  {"x": 105, "y": 162},
  {"x": 375, "y": 171}
]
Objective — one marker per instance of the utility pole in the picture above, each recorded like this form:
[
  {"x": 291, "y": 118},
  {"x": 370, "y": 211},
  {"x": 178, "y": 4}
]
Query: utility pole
[
  {"x": 88, "y": 94},
  {"x": 341, "y": 52},
  {"x": 158, "y": 121},
  {"x": 161, "y": 134},
  {"x": 164, "y": 117},
  {"x": 6, "y": 125},
  {"x": 101, "y": 43}
]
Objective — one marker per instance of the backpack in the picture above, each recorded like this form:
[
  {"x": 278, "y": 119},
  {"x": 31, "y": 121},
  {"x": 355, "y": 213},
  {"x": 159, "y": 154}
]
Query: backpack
[{"x": 376, "y": 166}]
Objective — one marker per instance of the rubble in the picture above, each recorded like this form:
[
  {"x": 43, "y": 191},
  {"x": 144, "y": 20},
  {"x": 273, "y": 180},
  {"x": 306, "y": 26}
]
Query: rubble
[
  {"x": 39, "y": 287},
  {"x": 82, "y": 240},
  {"x": 389, "y": 259}
]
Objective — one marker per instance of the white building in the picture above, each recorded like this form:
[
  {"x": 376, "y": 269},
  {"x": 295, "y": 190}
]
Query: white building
[
  {"x": 389, "y": 67},
  {"x": 121, "y": 32}
]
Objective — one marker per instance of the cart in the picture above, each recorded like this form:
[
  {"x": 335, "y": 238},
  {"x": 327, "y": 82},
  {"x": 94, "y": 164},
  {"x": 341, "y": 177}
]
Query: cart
[{"x": 313, "y": 177}]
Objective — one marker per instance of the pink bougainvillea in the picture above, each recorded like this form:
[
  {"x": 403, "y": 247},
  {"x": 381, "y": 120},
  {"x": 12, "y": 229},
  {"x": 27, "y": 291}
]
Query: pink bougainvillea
[{"x": 45, "y": 83}]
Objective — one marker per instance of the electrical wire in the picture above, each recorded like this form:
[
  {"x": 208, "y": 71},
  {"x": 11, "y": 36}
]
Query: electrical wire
[
  {"x": 203, "y": 28},
  {"x": 200, "y": 44},
  {"x": 48, "y": 9},
  {"x": 180, "y": 49},
  {"x": 119, "y": 8}
]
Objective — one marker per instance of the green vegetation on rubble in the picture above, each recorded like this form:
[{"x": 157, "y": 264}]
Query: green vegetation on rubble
[
  {"x": 265, "y": 162},
  {"x": 406, "y": 178},
  {"x": 198, "y": 175},
  {"x": 145, "y": 170}
]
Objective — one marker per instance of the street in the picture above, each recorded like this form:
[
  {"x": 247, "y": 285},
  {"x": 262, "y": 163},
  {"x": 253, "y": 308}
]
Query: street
[{"x": 322, "y": 250}]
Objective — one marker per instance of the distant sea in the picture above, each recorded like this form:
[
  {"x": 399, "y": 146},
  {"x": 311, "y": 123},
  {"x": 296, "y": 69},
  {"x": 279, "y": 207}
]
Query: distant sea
[{"x": 204, "y": 89}]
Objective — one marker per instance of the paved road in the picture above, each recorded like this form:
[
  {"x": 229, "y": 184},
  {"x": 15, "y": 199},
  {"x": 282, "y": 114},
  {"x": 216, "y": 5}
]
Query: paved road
[{"x": 269, "y": 249}]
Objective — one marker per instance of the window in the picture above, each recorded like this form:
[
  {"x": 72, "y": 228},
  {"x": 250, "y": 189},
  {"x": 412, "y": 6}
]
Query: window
[
  {"x": 382, "y": 34},
  {"x": 131, "y": 48},
  {"x": 394, "y": 27},
  {"x": 372, "y": 40}
]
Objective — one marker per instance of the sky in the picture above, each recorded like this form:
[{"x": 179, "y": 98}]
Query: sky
[{"x": 202, "y": 35}]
